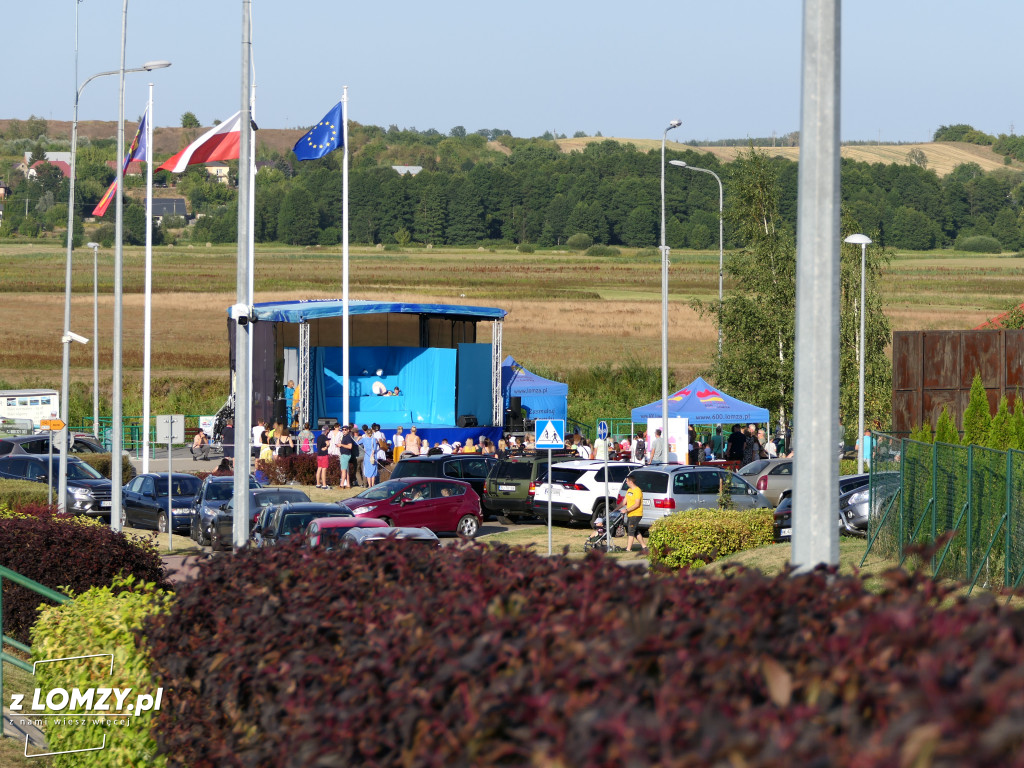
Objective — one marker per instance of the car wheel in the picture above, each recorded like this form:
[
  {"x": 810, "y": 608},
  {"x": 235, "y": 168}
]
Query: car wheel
[
  {"x": 215, "y": 542},
  {"x": 468, "y": 526},
  {"x": 124, "y": 520},
  {"x": 202, "y": 537},
  {"x": 387, "y": 521},
  {"x": 161, "y": 522}
]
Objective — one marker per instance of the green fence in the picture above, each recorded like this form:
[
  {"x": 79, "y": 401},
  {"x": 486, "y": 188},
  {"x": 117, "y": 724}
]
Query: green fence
[{"x": 922, "y": 493}]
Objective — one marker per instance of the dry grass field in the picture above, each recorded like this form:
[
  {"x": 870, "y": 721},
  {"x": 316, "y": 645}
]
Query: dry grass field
[{"x": 565, "y": 310}]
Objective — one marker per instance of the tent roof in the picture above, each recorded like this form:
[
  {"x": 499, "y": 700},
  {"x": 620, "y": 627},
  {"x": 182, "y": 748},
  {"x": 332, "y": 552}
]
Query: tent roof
[
  {"x": 311, "y": 309},
  {"x": 700, "y": 403},
  {"x": 516, "y": 380}
]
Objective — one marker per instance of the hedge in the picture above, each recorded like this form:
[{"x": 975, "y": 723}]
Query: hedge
[
  {"x": 479, "y": 656},
  {"x": 693, "y": 538},
  {"x": 102, "y": 463},
  {"x": 64, "y": 553},
  {"x": 101, "y": 620},
  {"x": 17, "y": 493},
  {"x": 301, "y": 469}
]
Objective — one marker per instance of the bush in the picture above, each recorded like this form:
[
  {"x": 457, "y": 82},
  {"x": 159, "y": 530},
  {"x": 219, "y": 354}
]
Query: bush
[
  {"x": 59, "y": 552},
  {"x": 17, "y": 493},
  {"x": 101, "y": 620},
  {"x": 848, "y": 467},
  {"x": 525, "y": 248},
  {"x": 301, "y": 469},
  {"x": 475, "y": 656},
  {"x": 978, "y": 244},
  {"x": 101, "y": 462},
  {"x": 693, "y": 538},
  {"x": 603, "y": 250},
  {"x": 579, "y": 242},
  {"x": 648, "y": 253}
]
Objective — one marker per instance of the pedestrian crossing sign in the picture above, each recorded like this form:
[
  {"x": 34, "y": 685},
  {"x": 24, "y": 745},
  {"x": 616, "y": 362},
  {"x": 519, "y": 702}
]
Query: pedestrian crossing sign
[{"x": 550, "y": 433}]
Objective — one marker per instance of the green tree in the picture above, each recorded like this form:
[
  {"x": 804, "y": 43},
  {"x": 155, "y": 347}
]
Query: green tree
[
  {"x": 1001, "y": 432},
  {"x": 297, "y": 219},
  {"x": 189, "y": 120},
  {"x": 978, "y": 415},
  {"x": 912, "y": 229},
  {"x": 1018, "y": 422},
  {"x": 1005, "y": 229},
  {"x": 641, "y": 227},
  {"x": 945, "y": 429}
]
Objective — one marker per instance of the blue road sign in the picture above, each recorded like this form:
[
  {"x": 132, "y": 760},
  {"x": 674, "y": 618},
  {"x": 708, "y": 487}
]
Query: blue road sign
[
  {"x": 550, "y": 433},
  {"x": 602, "y": 429}
]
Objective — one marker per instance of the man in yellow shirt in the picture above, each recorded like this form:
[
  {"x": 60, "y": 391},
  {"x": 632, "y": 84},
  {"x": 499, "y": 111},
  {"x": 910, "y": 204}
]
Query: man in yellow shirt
[{"x": 634, "y": 509}]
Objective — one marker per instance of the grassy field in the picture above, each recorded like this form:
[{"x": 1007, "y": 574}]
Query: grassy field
[{"x": 565, "y": 310}]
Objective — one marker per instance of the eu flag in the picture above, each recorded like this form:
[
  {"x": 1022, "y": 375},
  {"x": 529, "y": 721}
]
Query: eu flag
[{"x": 323, "y": 138}]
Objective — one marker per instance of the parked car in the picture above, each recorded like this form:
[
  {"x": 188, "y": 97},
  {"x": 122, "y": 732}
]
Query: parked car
[
  {"x": 470, "y": 467},
  {"x": 222, "y": 529},
  {"x": 853, "y": 509},
  {"x": 39, "y": 444},
  {"x": 443, "y": 506},
  {"x": 357, "y": 537},
  {"x": 510, "y": 485},
  {"x": 670, "y": 488},
  {"x": 327, "y": 532},
  {"x": 215, "y": 493},
  {"x": 772, "y": 477},
  {"x": 144, "y": 501},
  {"x": 577, "y": 489},
  {"x": 89, "y": 492},
  {"x": 287, "y": 520}
]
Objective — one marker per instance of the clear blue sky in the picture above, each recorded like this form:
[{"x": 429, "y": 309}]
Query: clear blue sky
[{"x": 727, "y": 69}]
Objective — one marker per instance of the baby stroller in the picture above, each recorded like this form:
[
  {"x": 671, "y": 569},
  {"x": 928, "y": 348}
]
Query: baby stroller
[{"x": 598, "y": 541}]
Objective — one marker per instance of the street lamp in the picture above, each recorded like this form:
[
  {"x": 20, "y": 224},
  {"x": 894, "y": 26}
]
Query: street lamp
[
  {"x": 664, "y": 301},
  {"x": 862, "y": 241},
  {"x": 95, "y": 341},
  {"x": 65, "y": 381},
  {"x": 721, "y": 198}
]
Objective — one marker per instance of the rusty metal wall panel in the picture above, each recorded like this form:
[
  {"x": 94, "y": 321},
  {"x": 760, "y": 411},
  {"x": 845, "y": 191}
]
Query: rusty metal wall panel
[
  {"x": 941, "y": 360},
  {"x": 906, "y": 410},
  {"x": 933, "y": 400},
  {"x": 1013, "y": 356},
  {"x": 982, "y": 353},
  {"x": 906, "y": 360}
]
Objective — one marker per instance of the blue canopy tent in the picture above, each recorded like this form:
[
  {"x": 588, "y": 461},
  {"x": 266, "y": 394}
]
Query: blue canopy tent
[
  {"x": 541, "y": 398},
  {"x": 700, "y": 403}
]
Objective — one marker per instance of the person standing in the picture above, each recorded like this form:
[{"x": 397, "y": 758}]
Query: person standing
[
  {"x": 227, "y": 440},
  {"x": 718, "y": 444},
  {"x": 368, "y": 447},
  {"x": 868, "y": 444},
  {"x": 355, "y": 465},
  {"x": 289, "y": 396},
  {"x": 306, "y": 441},
  {"x": 257, "y": 436},
  {"x": 601, "y": 449},
  {"x": 399, "y": 443},
  {"x": 639, "y": 448},
  {"x": 633, "y": 505},
  {"x": 751, "y": 448},
  {"x": 345, "y": 446},
  {"x": 412, "y": 442},
  {"x": 658, "y": 448},
  {"x": 734, "y": 446},
  {"x": 322, "y": 443}
]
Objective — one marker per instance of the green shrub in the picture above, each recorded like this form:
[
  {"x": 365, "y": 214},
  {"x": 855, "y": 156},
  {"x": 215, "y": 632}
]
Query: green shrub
[
  {"x": 101, "y": 463},
  {"x": 392, "y": 247},
  {"x": 693, "y": 538},
  {"x": 603, "y": 250},
  {"x": 978, "y": 244},
  {"x": 580, "y": 241},
  {"x": 847, "y": 467},
  {"x": 525, "y": 248},
  {"x": 101, "y": 620},
  {"x": 648, "y": 253},
  {"x": 16, "y": 493}
]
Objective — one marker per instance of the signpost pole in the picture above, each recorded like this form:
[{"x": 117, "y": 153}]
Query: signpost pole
[
  {"x": 549, "y": 436},
  {"x": 170, "y": 492},
  {"x": 602, "y": 435},
  {"x": 49, "y": 474},
  {"x": 549, "y": 501}
]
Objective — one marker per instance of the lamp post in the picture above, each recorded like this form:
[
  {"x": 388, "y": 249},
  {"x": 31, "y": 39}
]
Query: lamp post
[
  {"x": 721, "y": 199},
  {"x": 95, "y": 341},
  {"x": 862, "y": 241},
  {"x": 65, "y": 381},
  {"x": 664, "y": 300}
]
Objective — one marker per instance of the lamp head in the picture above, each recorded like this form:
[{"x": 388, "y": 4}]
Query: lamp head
[
  {"x": 680, "y": 163},
  {"x": 674, "y": 124},
  {"x": 92, "y": 245},
  {"x": 858, "y": 240},
  {"x": 151, "y": 65}
]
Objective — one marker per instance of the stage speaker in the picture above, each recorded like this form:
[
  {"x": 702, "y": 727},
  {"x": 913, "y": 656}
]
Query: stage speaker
[
  {"x": 326, "y": 422},
  {"x": 280, "y": 410},
  {"x": 515, "y": 406},
  {"x": 466, "y": 421}
]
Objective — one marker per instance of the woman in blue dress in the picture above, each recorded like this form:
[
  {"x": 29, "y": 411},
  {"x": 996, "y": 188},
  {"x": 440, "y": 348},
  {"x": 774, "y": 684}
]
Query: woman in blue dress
[{"x": 369, "y": 446}]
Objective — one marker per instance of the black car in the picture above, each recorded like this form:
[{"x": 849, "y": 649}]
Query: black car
[
  {"x": 215, "y": 493},
  {"x": 853, "y": 509},
  {"x": 471, "y": 468},
  {"x": 40, "y": 445},
  {"x": 89, "y": 492},
  {"x": 144, "y": 501},
  {"x": 288, "y": 520},
  {"x": 222, "y": 533}
]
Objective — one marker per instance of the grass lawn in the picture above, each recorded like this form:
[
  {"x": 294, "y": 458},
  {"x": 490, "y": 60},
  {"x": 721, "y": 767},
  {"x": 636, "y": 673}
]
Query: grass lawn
[{"x": 535, "y": 535}]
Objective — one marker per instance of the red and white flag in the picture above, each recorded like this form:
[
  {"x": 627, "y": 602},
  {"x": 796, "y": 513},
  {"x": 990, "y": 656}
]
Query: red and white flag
[{"x": 218, "y": 143}]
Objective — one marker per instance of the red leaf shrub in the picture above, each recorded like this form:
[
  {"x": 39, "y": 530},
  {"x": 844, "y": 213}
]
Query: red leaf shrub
[
  {"x": 59, "y": 552},
  {"x": 481, "y": 656},
  {"x": 301, "y": 468}
]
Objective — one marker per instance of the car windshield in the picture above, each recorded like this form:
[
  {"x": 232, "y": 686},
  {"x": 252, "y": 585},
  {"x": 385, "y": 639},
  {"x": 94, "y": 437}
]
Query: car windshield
[
  {"x": 417, "y": 469},
  {"x": 281, "y": 496},
  {"x": 564, "y": 476},
  {"x": 220, "y": 491},
  {"x": 650, "y": 482},
  {"x": 384, "y": 490},
  {"x": 513, "y": 470},
  {"x": 180, "y": 486},
  {"x": 753, "y": 468},
  {"x": 80, "y": 471}
]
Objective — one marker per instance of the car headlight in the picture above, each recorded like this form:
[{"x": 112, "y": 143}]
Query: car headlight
[
  {"x": 82, "y": 493},
  {"x": 858, "y": 498}
]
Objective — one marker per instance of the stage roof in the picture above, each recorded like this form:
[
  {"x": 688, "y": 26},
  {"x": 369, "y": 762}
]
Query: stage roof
[{"x": 301, "y": 311}]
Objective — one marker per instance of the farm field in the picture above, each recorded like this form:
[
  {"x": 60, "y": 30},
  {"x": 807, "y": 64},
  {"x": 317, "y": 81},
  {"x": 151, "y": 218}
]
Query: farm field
[{"x": 566, "y": 310}]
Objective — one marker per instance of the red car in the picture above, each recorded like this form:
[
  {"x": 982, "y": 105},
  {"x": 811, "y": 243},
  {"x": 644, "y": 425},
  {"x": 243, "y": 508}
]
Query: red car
[
  {"x": 439, "y": 504},
  {"x": 327, "y": 532}
]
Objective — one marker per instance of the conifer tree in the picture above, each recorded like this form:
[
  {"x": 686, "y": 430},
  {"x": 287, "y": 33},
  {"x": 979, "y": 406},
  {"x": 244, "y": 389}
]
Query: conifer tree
[
  {"x": 945, "y": 429},
  {"x": 1018, "y": 423},
  {"x": 977, "y": 417},
  {"x": 1001, "y": 433}
]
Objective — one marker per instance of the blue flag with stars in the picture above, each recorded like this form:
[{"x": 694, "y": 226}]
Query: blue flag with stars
[{"x": 323, "y": 138}]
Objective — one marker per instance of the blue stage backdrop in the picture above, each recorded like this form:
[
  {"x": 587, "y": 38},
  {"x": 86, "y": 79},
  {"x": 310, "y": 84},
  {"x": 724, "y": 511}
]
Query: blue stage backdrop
[{"x": 474, "y": 393}]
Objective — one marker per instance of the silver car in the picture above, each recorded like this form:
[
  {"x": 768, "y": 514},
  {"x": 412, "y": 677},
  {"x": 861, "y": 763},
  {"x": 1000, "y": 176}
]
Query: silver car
[{"x": 671, "y": 488}]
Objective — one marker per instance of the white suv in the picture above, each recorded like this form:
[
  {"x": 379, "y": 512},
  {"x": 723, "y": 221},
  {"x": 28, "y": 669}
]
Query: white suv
[{"x": 577, "y": 489}]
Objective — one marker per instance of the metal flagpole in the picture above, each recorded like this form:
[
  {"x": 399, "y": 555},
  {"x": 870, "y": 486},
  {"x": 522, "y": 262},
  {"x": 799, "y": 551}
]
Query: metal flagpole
[
  {"x": 344, "y": 257},
  {"x": 147, "y": 343},
  {"x": 116, "y": 404}
]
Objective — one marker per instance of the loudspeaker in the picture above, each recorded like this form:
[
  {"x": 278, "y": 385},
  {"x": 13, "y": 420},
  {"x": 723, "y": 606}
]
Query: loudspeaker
[
  {"x": 326, "y": 422},
  {"x": 515, "y": 407},
  {"x": 466, "y": 421},
  {"x": 280, "y": 410}
]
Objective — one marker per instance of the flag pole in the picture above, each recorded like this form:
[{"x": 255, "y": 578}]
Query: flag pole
[
  {"x": 148, "y": 308},
  {"x": 251, "y": 244},
  {"x": 344, "y": 254}
]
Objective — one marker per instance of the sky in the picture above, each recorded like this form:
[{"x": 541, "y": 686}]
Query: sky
[{"x": 729, "y": 69}]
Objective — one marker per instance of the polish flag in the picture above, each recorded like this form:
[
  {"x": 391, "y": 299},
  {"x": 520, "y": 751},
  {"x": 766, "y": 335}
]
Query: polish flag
[{"x": 218, "y": 143}]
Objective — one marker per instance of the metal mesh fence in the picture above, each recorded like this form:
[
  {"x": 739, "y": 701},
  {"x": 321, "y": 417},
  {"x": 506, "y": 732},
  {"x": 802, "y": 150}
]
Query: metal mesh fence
[{"x": 923, "y": 492}]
